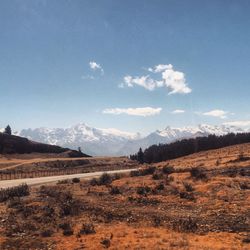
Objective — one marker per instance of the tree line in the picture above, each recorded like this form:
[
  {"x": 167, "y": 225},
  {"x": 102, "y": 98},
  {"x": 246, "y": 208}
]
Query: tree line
[{"x": 163, "y": 152}]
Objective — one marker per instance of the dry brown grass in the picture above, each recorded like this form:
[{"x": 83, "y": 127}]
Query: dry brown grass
[{"x": 159, "y": 218}]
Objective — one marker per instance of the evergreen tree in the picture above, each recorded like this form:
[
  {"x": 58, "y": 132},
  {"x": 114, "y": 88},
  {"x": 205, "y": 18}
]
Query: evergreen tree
[
  {"x": 7, "y": 130},
  {"x": 140, "y": 156}
]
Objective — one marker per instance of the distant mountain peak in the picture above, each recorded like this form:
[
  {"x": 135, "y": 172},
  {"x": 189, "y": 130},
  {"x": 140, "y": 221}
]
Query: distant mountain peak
[{"x": 111, "y": 141}]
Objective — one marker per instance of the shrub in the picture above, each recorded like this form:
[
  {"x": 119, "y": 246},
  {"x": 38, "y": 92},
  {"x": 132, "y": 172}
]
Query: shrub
[
  {"x": 168, "y": 170},
  {"x": 149, "y": 170},
  {"x": 134, "y": 173},
  {"x": 64, "y": 226},
  {"x": 188, "y": 187},
  {"x": 143, "y": 190},
  {"x": 169, "y": 179},
  {"x": 75, "y": 180},
  {"x": 186, "y": 225},
  {"x": 142, "y": 172},
  {"x": 69, "y": 206},
  {"x": 198, "y": 173},
  {"x": 93, "y": 182},
  {"x": 115, "y": 190},
  {"x": 244, "y": 185},
  {"x": 117, "y": 176},
  {"x": 68, "y": 232},
  {"x": 106, "y": 243},
  {"x": 63, "y": 182},
  {"x": 246, "y": 239},
  {"x": 105, "y": 179},
  {"x": 14, "y": 202},
  {"x": 156, "y": 221},
  {"x": 157, "y": 176},
  {"x": 87, "y": 229},
  {"x": 18, "y": 191},
  {"x": 188, "y": 196},
  {"x": 47, "y": 233},
  {"x": 160, "y": 186}
]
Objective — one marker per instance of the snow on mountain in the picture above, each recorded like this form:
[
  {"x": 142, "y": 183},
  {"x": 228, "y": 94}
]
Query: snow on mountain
[
  {"x": 93, "y": 141},
  {"x": 97, "y": 141}
]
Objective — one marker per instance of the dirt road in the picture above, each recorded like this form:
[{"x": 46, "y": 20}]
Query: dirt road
[{"x": 49, "y": 179}]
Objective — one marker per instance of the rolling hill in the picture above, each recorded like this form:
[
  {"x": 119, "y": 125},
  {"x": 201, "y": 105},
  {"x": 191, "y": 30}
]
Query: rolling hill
[{"x": 12, "y": 144}]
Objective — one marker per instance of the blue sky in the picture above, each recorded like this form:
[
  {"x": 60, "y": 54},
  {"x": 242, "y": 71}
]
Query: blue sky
[{"x": 65, "y": 62}]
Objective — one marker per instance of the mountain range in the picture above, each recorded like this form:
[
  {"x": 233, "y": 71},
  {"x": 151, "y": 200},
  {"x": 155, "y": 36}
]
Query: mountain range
[{"x": 113, "y": 142}]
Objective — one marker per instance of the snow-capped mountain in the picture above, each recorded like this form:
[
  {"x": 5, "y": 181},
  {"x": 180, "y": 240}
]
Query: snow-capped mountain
[
  {"x": 93, "y": 141},
  {"x": 96, "y": 141}
]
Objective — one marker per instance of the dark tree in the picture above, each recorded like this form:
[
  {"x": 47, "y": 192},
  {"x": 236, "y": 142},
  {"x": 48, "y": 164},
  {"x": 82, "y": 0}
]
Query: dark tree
[
  {"x": 79, "y": 150},
  {"x": 7, "y": 130},
  {"x": 163, "y": 152},
  {"x": 140, "y": 156}
]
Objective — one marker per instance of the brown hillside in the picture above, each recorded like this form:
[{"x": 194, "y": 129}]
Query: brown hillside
[{"x": 156, "y": 207}]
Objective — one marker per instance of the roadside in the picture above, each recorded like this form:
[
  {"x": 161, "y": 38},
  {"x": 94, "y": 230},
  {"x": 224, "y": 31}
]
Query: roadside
[{"x": 51, "y": 179}]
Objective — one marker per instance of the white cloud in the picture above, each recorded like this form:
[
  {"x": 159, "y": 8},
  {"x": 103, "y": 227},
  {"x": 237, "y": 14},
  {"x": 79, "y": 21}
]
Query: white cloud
[
  {"x": 146, "y": 111},
  {"x": 160, "y": 67},
  {"x": 173, "y": 80},
  {"x": 144, "y": 81},
  {"x": 217, "y": 113},
  {"x": 178, "y": 111},
  {"x": 238, "y": 123},
  {"x": 95, "y": 66}
]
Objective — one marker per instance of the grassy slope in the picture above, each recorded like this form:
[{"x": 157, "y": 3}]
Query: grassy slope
[{"x": 215, "y": 215}]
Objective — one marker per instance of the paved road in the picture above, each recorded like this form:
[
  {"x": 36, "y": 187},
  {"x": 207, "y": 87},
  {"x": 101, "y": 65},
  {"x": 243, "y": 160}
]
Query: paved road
[{"x": 44, "y": 180}]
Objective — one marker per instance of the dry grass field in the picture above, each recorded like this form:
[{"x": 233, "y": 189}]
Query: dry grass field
[
  {"x": 201, "y": 201},
  {"x": 39, "y": 165}
]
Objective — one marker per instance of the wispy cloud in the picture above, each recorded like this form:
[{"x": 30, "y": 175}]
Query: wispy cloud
[
  {"x": 146, "y": 111},
  {"x": 178, "y": 111},
  {"x": 96, "y": 66},
  {"x": 245, "y": 123},
  {"x": 217, "y": 113},
  {"x": 173, "y": 80},
  {"x": 89, "y": 77},
  {"x": 93, "y": 66}
]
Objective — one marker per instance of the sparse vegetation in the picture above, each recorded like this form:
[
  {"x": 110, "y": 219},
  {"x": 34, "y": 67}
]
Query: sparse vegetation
[
  {"x": 115, "y": 190},
  {"x": 150, "y": 206},
  {"x": 143, "y": 172},
  {"x": 168, "y": 169},
  {"x": 157, "y": 176},
  {"x": 47, "y": 233},
  {"x": 143, "y": 190},
  {"x": 105, "y": 179},
  {"x": 188, "y": 186},
  {"x": 18, "y": 191},
  {"x": 87, "y": 229},
  {"x": 75, "y": 180},
  {"x": 188, "y": 196},
  {"x": 198, "y": 173}
]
